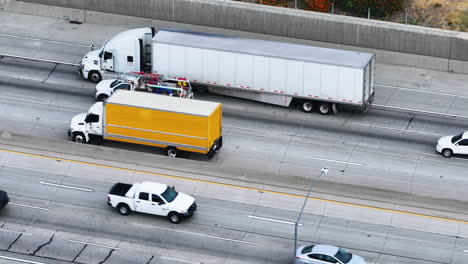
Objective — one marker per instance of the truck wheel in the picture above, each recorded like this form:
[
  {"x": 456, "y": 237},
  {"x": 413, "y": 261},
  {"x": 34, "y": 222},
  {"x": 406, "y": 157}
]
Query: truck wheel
[
  {"x": 102, "y": 97},
  {"x": 307, "y": 106},
  {"x": 171, "y": 152},
  {"x": 210, "y": 154},
  {"x": 94, "y": 76},
  {"x": 447, "y": 153},
  {"x": 123, "y": 209},
  {"x": 324, "y": 108},
  {"x": 174, "y": 218},
  {"x": 79, "y": 138}
]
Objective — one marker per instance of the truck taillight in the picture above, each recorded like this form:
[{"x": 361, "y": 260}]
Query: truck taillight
[{"x": 108, "y": 198}]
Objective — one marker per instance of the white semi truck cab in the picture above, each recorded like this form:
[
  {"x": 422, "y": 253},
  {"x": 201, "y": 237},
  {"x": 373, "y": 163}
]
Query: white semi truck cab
[{"x": 125, "y": 52}]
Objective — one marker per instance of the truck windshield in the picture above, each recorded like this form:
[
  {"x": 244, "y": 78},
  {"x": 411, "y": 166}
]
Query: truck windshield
[
  {"x": 114, "y": 83},
  {"x": 169, "y": 194},
  {"x": 456, "y": 138}
]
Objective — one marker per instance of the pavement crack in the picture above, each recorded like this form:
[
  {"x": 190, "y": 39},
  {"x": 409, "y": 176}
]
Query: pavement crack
[
  {"x": 79, "y": 253},
  {"x": 409, "y": 122},
  {"x": 41, "y": 246},
  {"x": 8, "y": 249},
  {"x": 108, "y": 256},
  {"x": 50, "y": 73},
  {"x": 149, "y": 261}
]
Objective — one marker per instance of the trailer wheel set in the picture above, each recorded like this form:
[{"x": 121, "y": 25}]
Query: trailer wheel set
[{"x": 323, "y": 108}]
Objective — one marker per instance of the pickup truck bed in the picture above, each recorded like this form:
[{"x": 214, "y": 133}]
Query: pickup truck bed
[{"x": 120, "y": 189}]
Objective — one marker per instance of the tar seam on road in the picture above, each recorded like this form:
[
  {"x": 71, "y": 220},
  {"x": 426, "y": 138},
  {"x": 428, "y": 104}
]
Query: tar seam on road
[{"x": 239, "y": 187}]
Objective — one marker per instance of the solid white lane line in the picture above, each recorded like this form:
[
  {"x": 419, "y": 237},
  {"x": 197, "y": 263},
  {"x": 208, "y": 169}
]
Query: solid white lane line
[
  {"x": 391, "y": 128},
  {"x": 180, "y": 260},
  {"x": 66, "y": 186},
  {"x": 421, "y": 91},
  {"x": 30, "y": 206},
  {"x": 22, "y": 260},
  {"x": 21, "y": 77},
  {"x": 272, "y": 220},
  {"x": 338, "y": 161},
  {"x": 438, "y": 155},
  {"x": 16, "y": 232},
  {"x": 92, "y": 244},
  {"x": 233, "y": 240},
  {"x": 259, "y": 130},
  {"x": 45, "y": 40},
  {"x": 418, "y": 111},
  {"x": 466, "y": 251},
  {"x": 198, "y": 234}
]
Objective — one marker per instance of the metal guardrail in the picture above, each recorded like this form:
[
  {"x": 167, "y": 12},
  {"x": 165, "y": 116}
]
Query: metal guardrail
[{"x": 37, "y": 59}]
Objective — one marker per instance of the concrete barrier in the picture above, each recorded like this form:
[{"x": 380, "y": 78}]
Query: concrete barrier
[{"x": 392, "y": 42}]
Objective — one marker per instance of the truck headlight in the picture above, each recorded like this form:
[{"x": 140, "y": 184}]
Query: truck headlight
[{"x": 184, "y": 211}]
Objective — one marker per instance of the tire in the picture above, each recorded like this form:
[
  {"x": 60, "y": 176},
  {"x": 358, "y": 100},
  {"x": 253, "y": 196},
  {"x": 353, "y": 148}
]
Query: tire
[
  {"x": 172, "y": 152},
  {"x": 79, "y": 138},
  {"x": 174, "y": 217},
  {"x": 210, "y": 154},
  {"x": 123, "y": 209},
  {"x": 447, "y": 153},
  {"x": 94, "y": 76},
  {"x": 102, "y": 97},
  {"x": 307, "y": 106},
  {"x": 324, "y": 108}
]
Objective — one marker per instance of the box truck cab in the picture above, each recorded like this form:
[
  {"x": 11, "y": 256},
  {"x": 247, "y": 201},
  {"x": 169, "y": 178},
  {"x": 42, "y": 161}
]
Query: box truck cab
[{"x": 125, "y": 52}]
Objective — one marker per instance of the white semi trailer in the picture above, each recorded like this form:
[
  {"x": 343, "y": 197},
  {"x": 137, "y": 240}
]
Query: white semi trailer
[{"x": 266, "y": 71}]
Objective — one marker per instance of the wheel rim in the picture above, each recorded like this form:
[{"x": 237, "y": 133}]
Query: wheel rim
[
  {"x": 307, "y": 106},
  {"x": 123, "y": 210},
  {"x": 447, "y": 153},
  {"x": 95, "y": 77},
  {"x": 324, "y": 109},
  {"x": 79, "y": 139},
  {"x": 174, "y": 218},
  {"x": 172, "y": 153}
]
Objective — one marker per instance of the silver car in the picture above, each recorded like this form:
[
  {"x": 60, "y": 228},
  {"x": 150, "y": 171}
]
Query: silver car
[{"x": 323, "y": 254}]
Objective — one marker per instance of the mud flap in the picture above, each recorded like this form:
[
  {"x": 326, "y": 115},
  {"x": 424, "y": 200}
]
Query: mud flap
[{"x": 335, "y": 109}]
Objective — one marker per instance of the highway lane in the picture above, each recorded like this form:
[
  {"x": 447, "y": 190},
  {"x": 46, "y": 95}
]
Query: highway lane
[
  {"x": 268, "y": 138},
  {"x": 247, "y": 231}
]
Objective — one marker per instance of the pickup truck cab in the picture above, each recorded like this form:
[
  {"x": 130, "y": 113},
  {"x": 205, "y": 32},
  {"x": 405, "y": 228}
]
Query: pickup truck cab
[{"x": 151, "y": 198}]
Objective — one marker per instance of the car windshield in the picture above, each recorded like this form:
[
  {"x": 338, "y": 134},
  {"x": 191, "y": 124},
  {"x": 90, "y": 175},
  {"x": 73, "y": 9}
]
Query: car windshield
[
  {"x": 343, "y": 255},
  {"x": 114, "y": 83},
  {"x": 456, "y": 138},
  {"x": 307, "y": 249},
  {"x": 169, "y": 194}
]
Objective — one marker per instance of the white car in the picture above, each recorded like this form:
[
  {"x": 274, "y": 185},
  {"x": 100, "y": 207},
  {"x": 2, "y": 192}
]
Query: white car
[
  {"x": 323, "y": 254},
  {"x": 450, "y": 145}
]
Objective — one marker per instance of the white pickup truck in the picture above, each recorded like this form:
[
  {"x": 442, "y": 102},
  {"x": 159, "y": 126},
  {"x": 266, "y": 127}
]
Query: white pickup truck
[{"x": 151, "y": 198}]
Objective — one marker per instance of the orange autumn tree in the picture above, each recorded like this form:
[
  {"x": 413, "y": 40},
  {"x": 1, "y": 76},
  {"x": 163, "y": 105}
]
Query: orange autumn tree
[
  {"x": 275, "y": 2},
  {"x": 319, "y": 5}
]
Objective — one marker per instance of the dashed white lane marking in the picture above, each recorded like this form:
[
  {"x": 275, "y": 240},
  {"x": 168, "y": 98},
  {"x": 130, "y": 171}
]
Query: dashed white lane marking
[
  {"x": 180, "y": 260},
  {"x": 339, "y": 161},
  {"x": 199, "y": 234},
  {"x": 66, "y": 186},
  {"x": 21, "y": 260},
  {"x": 466, "y": 251},
  {"x": 272, "y": 220},
  {"x": 92, "y": 244},
  {"x": 30, "y": 206}
]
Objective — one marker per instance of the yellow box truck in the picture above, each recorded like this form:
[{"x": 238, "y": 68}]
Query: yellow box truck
[{"x": 176, "y": 124}]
